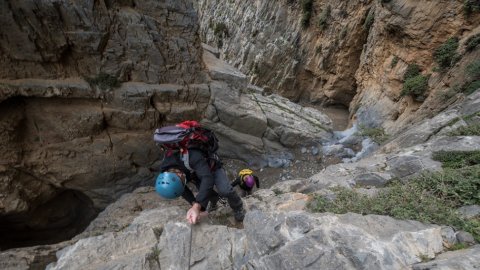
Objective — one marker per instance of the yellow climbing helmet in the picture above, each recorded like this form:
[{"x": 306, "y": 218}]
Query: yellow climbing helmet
[{"x": 244, "y": 172}]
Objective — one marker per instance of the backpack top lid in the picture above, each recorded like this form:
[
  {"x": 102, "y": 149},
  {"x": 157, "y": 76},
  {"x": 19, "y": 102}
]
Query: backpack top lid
[
  {"x": 188, "y": 124},
  {"x": 187, "y": 134}
]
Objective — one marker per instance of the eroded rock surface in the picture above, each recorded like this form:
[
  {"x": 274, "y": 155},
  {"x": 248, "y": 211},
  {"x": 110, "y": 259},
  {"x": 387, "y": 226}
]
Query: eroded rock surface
[{"x": 271, "y": 238}]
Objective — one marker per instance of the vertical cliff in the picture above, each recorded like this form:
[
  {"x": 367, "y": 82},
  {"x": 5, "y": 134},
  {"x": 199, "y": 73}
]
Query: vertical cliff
[
  {"x": 268, "y": 40},
  {"x": 406, "y": 33},
  {"x": 353, "y": 53},
  {"x": 148, "y": 41}
]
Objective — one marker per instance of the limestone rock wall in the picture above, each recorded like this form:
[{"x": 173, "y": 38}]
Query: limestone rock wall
[
  {"x": 70, "y": 143},
  {"x": 353, "y": 53},
  {"x": 96, "y": 145},
  {"x": 149, "y": 41},
  {"x": 266, "y": 40},
  {"x": 404, "y": 33}
]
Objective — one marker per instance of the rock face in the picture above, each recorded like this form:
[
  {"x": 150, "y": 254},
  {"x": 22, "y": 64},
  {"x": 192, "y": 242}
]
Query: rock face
[
  {"x": 148, "y": 41},
  {"x": 468, "y": 259},
  {"x": 350, "y": 53},
  {"x": 63, "y": 139},
  {"x": 273, "y": 238},
  {"x": 378, "y": 169},
  {"x": 266, "y": 41},
  {"x": 250, "y": 122},
  {"x": 399, "y": 33}
]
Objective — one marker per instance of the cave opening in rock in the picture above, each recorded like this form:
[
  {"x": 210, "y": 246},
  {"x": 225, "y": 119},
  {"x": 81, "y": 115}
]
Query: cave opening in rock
[{"x": 57, "y": 220}]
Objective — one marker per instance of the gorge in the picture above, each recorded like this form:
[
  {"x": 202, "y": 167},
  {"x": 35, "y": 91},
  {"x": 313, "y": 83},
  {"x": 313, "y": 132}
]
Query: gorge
[{"x": 83, "y": 84}]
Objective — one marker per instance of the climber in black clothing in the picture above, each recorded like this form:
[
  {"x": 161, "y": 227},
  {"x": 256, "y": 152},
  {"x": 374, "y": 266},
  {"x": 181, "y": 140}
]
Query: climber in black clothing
[{"x": 171, "y": 183}]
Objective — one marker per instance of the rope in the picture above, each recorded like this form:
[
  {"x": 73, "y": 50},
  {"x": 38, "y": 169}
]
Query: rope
[{"x": 190, "y": 246}]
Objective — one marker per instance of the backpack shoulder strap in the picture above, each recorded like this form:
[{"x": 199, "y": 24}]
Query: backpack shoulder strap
[{"x": 185, "y": 157}]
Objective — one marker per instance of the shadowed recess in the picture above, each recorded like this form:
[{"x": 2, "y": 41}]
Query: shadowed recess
[{"x": 57, "y": 220}]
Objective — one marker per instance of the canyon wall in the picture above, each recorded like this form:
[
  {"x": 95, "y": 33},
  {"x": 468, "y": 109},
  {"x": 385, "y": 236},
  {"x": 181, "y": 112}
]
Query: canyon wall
[
  {"x": 73, "y": 138},
  {"x": 266, "y": 40},
  {"x": 353, "y": 53}
]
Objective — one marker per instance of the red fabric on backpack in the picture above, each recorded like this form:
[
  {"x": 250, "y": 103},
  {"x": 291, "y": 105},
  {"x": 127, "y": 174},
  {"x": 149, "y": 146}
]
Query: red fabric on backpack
[
  {"x": 196, "y": 135},
  {"x": 188, "y": 124}
]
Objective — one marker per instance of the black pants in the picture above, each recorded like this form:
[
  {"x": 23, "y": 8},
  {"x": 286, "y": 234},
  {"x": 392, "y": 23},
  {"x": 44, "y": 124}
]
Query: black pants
[{"x": 225, "y": 189}]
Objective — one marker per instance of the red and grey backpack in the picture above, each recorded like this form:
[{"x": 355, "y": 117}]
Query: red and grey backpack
[{"x": 188, "y": 135}]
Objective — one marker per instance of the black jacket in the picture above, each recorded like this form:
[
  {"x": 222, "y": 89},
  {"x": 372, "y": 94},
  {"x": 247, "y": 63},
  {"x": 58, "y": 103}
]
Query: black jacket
[{"x": 201, "y": 173}]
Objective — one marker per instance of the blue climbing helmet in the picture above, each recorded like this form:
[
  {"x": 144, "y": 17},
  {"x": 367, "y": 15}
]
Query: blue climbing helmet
[{"x": 169, "y": 185}]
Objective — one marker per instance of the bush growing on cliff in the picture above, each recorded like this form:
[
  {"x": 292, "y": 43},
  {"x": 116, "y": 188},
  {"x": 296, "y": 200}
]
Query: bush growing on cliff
[
  {"x": 394, "y": 61},
  {"x": 412, "y": 71},
  {"x": 471, "y": 87},
  {"x": 344, "y": 32},
  {"x": 472, "y": 42},
  {"x": 324, "y": 17},
  {"x": 473, "y": 80},
  {"x": 470, "y": 6},
  {"x": 307, "y": 6},
  {"x": 104, "y": 81},
  {"x": 369, "y": 20},
  {"x": 378, "y": 135},
  {"x": 416, "y": 86},
  {"x": 470, "y": 130},
  {"x": 220, "y": 29},
  {"x": 446, "y": 55},
  {"x": 473, "y": 70},
  {"x": 457, "y": 159}
]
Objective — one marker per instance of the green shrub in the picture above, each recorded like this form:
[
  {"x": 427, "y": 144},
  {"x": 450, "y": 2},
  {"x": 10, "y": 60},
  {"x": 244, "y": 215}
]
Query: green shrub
[
  {"x": 343, "y": 33},
  {"x": 470, "y": 6},
  {"x": 394, "y": 62},
  {"x": 220, "y": 29},
  {"x": 450, "y": 92},
  {"x": 412, "y": 71},
  {"x": 471, "y": 87},
  {"x": 324, "y": 17},
  {"x": 458, "y": 187},
  {"x": 470, "y": 130},
  {"x": 430, "y": 198},
  {"x": 376, "y": 134},
  {"x": 472, "y": 42},
  {"x": 307, "y": 6},
  {"x": 104, "y": 81},
  {"x": 369, "y": 19},
  {"x": 416, "y": 87},
  {"x": 473, "y": 78},
  {"x": 446, "y": 55},
  {"x": 458, "y": 246},
  {"x": 473, "y": 70},
  {"x": 277, "y": 191},
  {"x": 306, "y": 19},
  {"x": 457, "y": 159}
]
